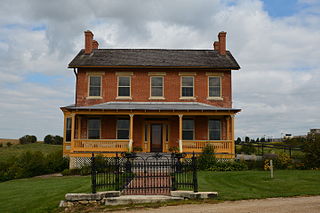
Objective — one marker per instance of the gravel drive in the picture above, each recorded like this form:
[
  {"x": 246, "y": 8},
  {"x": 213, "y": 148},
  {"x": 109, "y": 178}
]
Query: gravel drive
[{"x": 270, "y": 205}]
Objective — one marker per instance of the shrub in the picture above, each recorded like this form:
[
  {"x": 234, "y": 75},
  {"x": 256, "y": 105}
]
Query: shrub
[
  {"x": 28, "y": 139},
  {"x": 174, "y": 149},
  {"x": 312, "y": 151},
  {"x": 207, "y": 159},
  {"x": 50, "y": 139},
  {"x": 228, "y": 166},
  {"x": 1, "y": 145},
  {"x": 137, "y": 149},
  {"x": 254, "y": 164},
  {"x": 247, "y": 149},
  {"x": 9, "y": 144}
]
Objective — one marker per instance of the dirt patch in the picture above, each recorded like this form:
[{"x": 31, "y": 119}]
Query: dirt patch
[{"x": 279, "y": 205}]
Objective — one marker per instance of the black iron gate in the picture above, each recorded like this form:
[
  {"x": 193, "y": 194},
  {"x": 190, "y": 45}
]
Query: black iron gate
[{"x": 148, "y": 175}]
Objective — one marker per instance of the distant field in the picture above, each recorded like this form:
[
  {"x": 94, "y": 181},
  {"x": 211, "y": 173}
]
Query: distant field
[
  {"x": 14, "y": 150},
  {"x": 5, "y": 141}
]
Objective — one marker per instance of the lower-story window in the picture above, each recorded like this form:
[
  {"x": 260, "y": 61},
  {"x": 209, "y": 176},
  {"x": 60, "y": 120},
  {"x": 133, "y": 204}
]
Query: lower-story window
[
  {"x": 214, "y": 127},
  {"x": 123, "y": 126},
  {"x": 187, "y": 129},
  {"x": 94, "y": 128},
  {"x": 68, "y": 129}
]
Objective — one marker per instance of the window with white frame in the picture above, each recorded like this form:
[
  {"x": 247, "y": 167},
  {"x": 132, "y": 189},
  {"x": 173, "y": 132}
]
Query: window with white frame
[
  {"x": 187, "y": 86},
  {"x": 124, "y": 83},
  {"x": 214, "y": 127},
  {"x": 123, "y": 126},
  {"x": 94, "y": 125},
  {"x": 187, "y": 129},
  {"x": 214, "y": 86},
  {"x": 156, "y": 86},
  {"x": 94, "y": 85}
]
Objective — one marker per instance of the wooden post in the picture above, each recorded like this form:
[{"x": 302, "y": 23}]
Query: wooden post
[
  {"x": 228, "y": 127},
  {"x": 131, "y": 132},
  {"x": 271, "y": 168},
  {"x": 73, "y": 118},
  {"x": 180, "y": 133},
  {"x": 232, "y": 134},
  {"x": 79, "y": 128}
]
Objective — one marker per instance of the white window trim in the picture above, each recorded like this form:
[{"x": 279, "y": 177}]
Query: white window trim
[
  {"x": 193, "y": 87},
  {"x": 217, "y": 98},
  {"x": 124, "y": 97},
  {"x": 88, "y": 91},
  {"x": 156, "y": 97}
]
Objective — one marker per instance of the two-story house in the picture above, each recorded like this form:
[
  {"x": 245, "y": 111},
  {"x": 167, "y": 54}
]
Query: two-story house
[{"x": 150, "y": 100}]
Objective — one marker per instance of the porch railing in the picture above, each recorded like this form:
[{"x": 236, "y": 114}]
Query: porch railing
[
  {"x": 91, "y": 145},
  {"x": 220, "y": 146}
]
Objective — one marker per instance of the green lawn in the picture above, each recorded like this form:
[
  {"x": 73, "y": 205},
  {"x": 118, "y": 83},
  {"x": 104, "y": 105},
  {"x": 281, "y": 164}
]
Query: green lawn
[
  {"x": 14, "y": 150},
  {"x": 258, "y": 184},
  {"x": 44, "y": 194}
]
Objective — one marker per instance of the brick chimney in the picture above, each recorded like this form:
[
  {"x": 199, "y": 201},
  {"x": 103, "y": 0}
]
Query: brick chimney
[
  {"x": 216, "y": 45},
  {"x": 222, "y": 43},
  {"x": 95, "y": 44},
  {"x": 88, "y": 42}
]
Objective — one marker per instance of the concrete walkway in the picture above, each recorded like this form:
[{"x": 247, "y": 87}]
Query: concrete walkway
[{"x": 270, "y": 205}]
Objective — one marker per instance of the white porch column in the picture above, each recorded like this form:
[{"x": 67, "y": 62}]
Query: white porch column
[
  {"x": 232, "y": 133},
  {"x": 73, "y": 120},
  {"x": 131, "y": 133},
  {"x": 180, "y": 133}
]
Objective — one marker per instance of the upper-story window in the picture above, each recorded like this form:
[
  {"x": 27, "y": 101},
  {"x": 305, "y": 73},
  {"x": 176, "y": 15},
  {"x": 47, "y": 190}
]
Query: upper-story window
[
  {"x": 95, "y": 86},
  {"x": 157, "y": 86},
  {"x": 214, "y": 127},
  {"x": 124, "y": 84},
  {"x": 187, "y": 86},
  {"x": 94, "y": 128},
  {"x": 214, "y": 86}
]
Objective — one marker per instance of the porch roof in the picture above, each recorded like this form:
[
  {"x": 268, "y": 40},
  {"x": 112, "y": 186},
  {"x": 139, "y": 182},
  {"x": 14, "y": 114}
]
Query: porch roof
[{"x": 152, "y": 106}]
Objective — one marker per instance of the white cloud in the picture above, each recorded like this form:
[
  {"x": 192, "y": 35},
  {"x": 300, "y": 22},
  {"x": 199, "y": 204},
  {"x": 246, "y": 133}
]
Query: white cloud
[{"x": 277, "y": 87}]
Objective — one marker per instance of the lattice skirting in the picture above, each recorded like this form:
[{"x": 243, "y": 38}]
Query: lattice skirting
[{"x": 78, "y": 162}]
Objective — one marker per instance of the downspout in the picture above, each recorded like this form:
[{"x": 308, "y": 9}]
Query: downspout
[{"x": 76, "y": 74}]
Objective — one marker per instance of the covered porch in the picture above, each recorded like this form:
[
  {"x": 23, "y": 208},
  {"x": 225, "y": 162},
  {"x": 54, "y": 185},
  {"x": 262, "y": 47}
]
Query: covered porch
[{"x": 183, "y": 128}]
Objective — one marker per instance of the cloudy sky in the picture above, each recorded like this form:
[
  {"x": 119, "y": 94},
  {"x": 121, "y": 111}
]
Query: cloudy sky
[{"x": 276, "y": 42}]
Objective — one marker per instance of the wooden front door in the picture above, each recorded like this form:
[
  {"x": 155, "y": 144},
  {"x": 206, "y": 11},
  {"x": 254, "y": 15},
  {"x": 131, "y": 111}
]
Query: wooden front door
[{"x": 156, "y": 137}]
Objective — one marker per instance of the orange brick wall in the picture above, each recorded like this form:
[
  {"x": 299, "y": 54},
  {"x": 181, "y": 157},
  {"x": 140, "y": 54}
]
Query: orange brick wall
[{"x": 140, "y": 86}]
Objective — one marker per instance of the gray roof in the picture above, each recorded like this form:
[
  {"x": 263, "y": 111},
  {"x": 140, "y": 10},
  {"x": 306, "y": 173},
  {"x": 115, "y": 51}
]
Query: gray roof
[
  {"x": 155, "y": 58},
  {"x": 156, "y": 106}
]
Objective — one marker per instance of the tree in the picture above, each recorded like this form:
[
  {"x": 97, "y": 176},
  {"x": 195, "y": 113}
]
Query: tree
[
  {"x": 238, "y": 141},
  {"x": 27, "y": 139},
  {"x": 257, "y": 140},
  {"x": 312, "y": 150},
  {"x": 50, "y": 139},
  {"x": 247, "y": 139},
  {"x": 263, "y": 140}
]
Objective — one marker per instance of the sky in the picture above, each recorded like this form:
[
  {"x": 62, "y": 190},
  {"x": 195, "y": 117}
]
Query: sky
[{"x": 276, "y": 43}]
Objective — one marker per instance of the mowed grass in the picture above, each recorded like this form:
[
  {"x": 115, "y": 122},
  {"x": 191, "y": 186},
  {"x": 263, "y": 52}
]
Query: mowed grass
[
  {"x": 14, "y": 150},
  {"x": 39, "y": 194},
  {"x": 258, "y": 184}
]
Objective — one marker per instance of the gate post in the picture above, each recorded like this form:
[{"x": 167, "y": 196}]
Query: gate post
[
  {"x": 93, "y": 175},
  {"x": 117, "y": 187},
  {"x": 173, "y": 175},
  {"x": 194, "y": 168}
]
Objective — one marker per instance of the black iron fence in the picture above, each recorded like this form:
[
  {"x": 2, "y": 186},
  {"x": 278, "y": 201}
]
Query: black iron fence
[{"x": 144, "y": 175}]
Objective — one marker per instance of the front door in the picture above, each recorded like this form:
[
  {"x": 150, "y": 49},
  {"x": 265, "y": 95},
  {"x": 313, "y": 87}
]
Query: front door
[{"x": 156, "y": 137}]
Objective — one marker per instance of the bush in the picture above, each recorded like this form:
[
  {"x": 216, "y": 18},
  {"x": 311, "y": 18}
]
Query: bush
[
  {"x": 28, "y": 139},
  {"x": 207, "y": 158},
  {"x": 247, "y": 149},
  {"x": 228, "y": 166},
  {"x": 1, "y": 145},
  {"x": 312, "y": 151},
  {"x": 55, "y": 140},
  {"x": 137, "y": 149},
  {"x": 174, "y": 149},
  {"x": 29, "y": 164},
  {"x": 254, "y": 164},
  {"x": 8, "y": 144}
]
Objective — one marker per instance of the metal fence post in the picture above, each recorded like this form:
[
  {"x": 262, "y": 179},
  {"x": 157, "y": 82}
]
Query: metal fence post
[
  {"x": 117, "y": 187},
  {"x": 93, "y": 175},
  {"x": 173, "y": 176},
  {"x": 194, "y": 168}
]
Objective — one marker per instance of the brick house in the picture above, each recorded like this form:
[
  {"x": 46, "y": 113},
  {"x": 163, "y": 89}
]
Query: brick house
[{"x": 150, "y": 100}]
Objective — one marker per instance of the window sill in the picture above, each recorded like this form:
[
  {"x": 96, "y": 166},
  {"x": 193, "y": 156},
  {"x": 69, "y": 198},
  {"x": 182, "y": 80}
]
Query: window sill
[
  {"x": 215, "y": 98},
  {"x": 123, "y": 98},
  {"x": 187, "y": 98},
  {"x": 94, "y": 97},
  {"x": 157, "y": 98}
]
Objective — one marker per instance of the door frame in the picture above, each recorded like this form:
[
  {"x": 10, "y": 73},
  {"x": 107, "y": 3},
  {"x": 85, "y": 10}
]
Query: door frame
[{"x": 165, "y": 139}]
